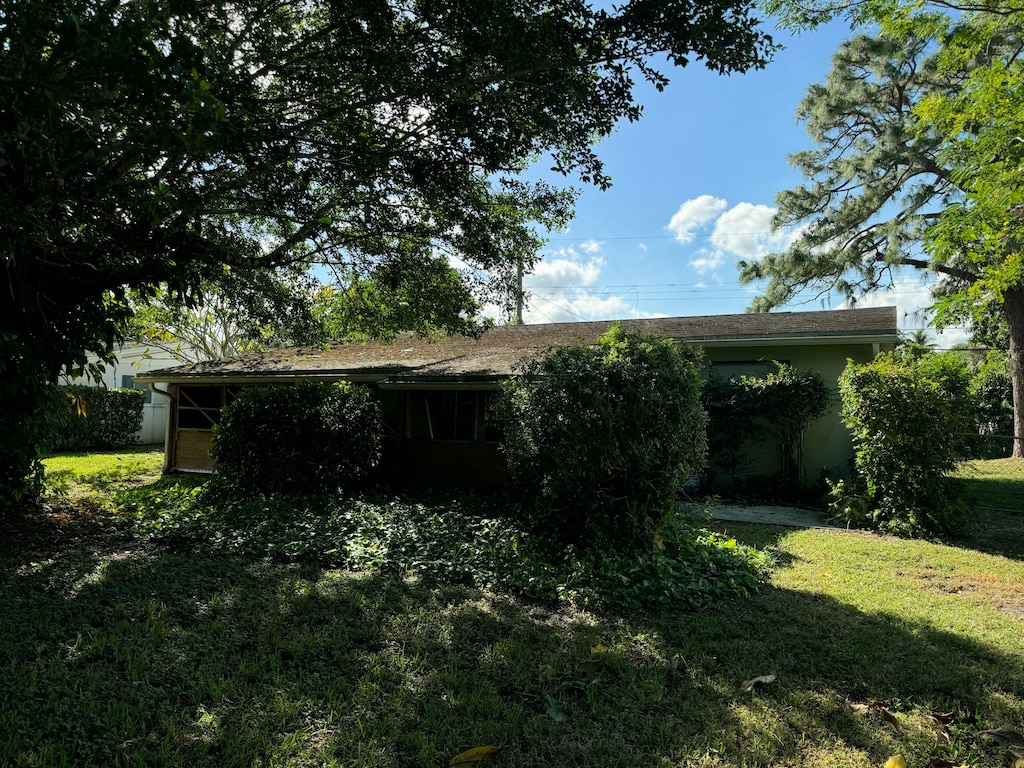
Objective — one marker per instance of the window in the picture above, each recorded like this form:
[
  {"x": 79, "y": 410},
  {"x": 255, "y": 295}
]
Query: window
[
  {"x": 452, "y": 415},
  {"x": 200, "y": 407},
  {"x": 494, "y": 425},
  {"x": 128, "y": 382},
  {"x": 733, "y": 369}
]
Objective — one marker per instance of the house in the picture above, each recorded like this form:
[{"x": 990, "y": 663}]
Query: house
[
  {"x": 437, "y": 396},
  {"x": 132, "y": 361}
]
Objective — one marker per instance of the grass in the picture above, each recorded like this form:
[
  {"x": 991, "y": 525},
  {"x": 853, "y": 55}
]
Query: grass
[
  {"x": 86, "y": 474},
  {"x": 995, "y": 483},
  {"x": 118, "y": 652}
]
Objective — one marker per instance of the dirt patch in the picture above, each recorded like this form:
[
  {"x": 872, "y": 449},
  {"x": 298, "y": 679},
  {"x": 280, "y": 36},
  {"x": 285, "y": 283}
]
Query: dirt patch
[
  {"x": 42, "y": 531},
  {"x": 789, "y": 517},
  {"x": 1001, "y": 594},
  {"x": 1013, "y": 609}
]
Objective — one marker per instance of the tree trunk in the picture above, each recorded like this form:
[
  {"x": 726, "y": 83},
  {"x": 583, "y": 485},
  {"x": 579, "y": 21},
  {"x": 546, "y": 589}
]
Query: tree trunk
[{"x": 1013, "y": 308}]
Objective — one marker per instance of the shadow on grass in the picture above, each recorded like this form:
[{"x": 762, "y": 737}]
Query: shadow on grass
[
  {"x": 996, "y": 532},
  {"x": 759, "y": 536},
  {"x": 994, "y": 485},
  {"x": 138, "y": 657}
]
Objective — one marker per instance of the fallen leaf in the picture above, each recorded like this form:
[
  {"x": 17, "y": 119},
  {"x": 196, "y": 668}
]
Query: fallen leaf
[
  {"x": 938, "y": 728},
  {"x": 598, "y": 649},
  {"x": 589, "y": 667},
  {"x": 1018, "y": 763},
  {"x": 896, "y": 761},
  {"x": 861, "y": 709},
  {"x": 475, "y": 756},
  {"x": 890, "y": 718},
  {"x": 756, "y": 682},
  {"x": 953, "y": 718},
  {"x": 1002, "y": 736},
  {"x": 674, "y": 663},
  {"x": 939, "y": 762},
  {"x": 554, "y": 711}
]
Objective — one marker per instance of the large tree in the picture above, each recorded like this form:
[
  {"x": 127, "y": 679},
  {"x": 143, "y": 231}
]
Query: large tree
[
  {"x": 888, "y": 176},
  {"x": 235, "y": 315},
  {"x": 149, "y": 143}
]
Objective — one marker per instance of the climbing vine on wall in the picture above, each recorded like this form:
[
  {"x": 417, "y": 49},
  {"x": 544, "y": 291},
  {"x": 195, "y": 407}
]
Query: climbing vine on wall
[{"x": 746, "y": 412}]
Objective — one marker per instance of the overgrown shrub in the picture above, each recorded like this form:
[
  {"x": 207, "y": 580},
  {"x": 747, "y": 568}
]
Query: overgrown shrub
[
  {"x": 744, "y": 413},
  {"x": 992, "y": 391},
  {"x": 911, "y": 421},
  {"x": 81, "y": 417},
  {"x": 298, "y": 437},
  {"x": 599, "y": 440},
  {"x": 28, "y": 438}
]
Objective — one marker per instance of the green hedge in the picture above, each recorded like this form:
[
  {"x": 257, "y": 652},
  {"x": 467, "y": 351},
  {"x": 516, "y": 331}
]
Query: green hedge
[
  {"x": 81, "y": 417},
  {"x": 992, "y": 390},
  {"x": 299, "y": 438},
  {"x": 599, "y": 440},
  {"x": 912, "y": 422}
]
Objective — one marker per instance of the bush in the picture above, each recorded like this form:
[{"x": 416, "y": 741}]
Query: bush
[
  {"x": 745, "y": 412},
  {"x": 298, "y": 437},
  {"x": 81, "y": 417},
  {"x": 911, "y": 421},
  {"x": 599, "y": 440},
  {"x": 992, "y": 391}
]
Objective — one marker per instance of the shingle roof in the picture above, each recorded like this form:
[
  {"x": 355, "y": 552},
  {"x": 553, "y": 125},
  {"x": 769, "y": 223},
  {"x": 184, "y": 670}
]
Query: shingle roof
[{"x": 498, "y": 349}]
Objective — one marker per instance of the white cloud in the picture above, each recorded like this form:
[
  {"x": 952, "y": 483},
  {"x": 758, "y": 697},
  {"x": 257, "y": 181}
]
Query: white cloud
[
  {"x": 558, "y": 290},
  {"x": 562, "y": 274},
  {"x": 707, "y": 260},
  {"x": 743, "y": 231},
  {"x": 581, "y": 305},
  {"x": 693, "y": 214}
]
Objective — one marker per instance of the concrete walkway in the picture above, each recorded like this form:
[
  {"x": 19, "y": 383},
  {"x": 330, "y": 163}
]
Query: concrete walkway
[{"x": 791, "y": 517}]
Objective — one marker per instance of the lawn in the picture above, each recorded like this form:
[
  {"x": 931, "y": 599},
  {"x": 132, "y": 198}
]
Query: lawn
[
  {"x": 994, "y": 484},
  {"x": 83, "y": 475},
  {"x": 117, "y": 651}
]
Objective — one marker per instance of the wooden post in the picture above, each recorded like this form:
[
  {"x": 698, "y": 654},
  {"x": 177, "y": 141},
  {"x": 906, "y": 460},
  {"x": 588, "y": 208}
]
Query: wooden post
[{"x": 518, "y": 319}]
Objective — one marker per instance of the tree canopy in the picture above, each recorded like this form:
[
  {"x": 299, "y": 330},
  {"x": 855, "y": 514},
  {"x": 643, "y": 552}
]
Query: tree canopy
[
  {"x": 257, "y": 310},
  {"x": 915, "y": 165},
  {"x": 149, "y": 143}
]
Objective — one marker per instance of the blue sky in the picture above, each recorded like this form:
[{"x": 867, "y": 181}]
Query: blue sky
[{"x": 694, "y": 184}]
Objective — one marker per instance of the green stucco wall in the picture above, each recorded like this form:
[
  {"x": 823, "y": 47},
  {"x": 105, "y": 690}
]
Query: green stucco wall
[{"x": 828, "y": 445}]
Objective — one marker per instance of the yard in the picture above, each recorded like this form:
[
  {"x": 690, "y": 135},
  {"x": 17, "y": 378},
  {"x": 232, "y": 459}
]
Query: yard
[{"x": 120, "y": 651}]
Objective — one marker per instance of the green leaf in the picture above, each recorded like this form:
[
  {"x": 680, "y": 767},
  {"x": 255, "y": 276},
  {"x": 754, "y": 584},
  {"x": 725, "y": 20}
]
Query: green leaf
[{"x": 554, "y": 711}]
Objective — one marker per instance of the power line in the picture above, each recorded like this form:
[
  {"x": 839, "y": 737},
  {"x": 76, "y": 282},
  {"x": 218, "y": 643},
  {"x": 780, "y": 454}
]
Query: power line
[
  {"x": 662, "y": 236},
  {"x": 696, "y": 287},
  {"x": 557, "y": 306}
]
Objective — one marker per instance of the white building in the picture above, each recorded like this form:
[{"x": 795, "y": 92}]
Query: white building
[{"x": 133, "y": 360}]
